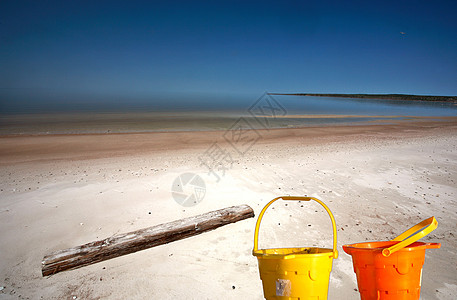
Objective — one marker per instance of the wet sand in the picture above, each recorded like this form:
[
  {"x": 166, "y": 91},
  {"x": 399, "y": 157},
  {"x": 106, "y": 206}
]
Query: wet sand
[
  {"x": 142, "y": 122},
  {"x": 60, "y": 191}
]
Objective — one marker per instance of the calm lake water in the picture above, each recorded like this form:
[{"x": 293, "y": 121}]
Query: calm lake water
[{"x": 294, "y": 111}]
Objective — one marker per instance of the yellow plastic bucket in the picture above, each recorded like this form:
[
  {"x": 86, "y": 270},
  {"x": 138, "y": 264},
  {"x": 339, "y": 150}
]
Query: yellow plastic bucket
[{"x": 295, "y": 273}]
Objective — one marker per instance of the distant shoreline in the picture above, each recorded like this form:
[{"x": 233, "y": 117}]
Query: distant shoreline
[{"x": 404, "y": 97}]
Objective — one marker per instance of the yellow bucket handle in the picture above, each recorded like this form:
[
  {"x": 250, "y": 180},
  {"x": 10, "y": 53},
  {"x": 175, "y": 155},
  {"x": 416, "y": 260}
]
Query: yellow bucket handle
[
  {"x": 410, "y": 236},
  {"x": 299, "y": 198}
]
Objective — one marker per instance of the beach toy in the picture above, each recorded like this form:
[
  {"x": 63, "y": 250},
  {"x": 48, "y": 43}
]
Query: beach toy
[
  {"x": 295, "y": 273},
  {"x": 392, "y": 270}
]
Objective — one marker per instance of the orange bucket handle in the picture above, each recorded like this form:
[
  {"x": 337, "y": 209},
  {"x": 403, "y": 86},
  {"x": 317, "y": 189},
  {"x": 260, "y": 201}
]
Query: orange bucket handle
[
  {"x": 297, "y": 198},
  {"x": 432, "y": 245},
  {"x": 413, "y": 234}
]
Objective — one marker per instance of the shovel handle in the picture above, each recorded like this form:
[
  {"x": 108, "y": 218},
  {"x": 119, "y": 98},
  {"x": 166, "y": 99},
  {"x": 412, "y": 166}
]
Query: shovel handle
[
  {"x": 295, "y": 198},
  {"x": 411, "y": 235}
]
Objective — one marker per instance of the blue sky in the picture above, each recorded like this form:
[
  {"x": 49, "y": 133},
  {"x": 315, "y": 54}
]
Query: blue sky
[{"x": 102, "y": 51}]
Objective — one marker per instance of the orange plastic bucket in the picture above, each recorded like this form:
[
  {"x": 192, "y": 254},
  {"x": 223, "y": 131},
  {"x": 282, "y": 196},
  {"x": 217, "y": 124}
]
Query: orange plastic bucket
[{"x": 393, "y": 269}]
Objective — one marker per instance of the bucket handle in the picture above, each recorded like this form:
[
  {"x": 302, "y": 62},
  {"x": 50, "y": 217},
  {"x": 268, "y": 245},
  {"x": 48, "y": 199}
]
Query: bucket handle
[
  {"x": 297, "y": 198},
  {"x": 411, "y": 235},
  {"x": 432, "y": 245}
]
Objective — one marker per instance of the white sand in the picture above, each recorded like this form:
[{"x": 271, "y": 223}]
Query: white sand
[{"x": 378, "y": 181}]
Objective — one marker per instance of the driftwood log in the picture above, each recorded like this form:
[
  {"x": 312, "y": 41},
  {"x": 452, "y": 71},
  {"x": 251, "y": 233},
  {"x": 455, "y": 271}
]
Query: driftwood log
[{"x": 127, "y": 243}]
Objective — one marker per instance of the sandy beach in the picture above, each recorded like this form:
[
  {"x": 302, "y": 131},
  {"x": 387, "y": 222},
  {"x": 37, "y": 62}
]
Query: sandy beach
[{"x": 60, "y": 191}]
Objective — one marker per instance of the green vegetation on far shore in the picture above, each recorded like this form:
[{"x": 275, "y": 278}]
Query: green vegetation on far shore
[{"x": 452, "y": 99}]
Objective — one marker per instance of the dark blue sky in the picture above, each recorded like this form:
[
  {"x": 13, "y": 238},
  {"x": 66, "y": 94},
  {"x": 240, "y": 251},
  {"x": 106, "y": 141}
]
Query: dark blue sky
[{"x": 126, "y": 51}]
